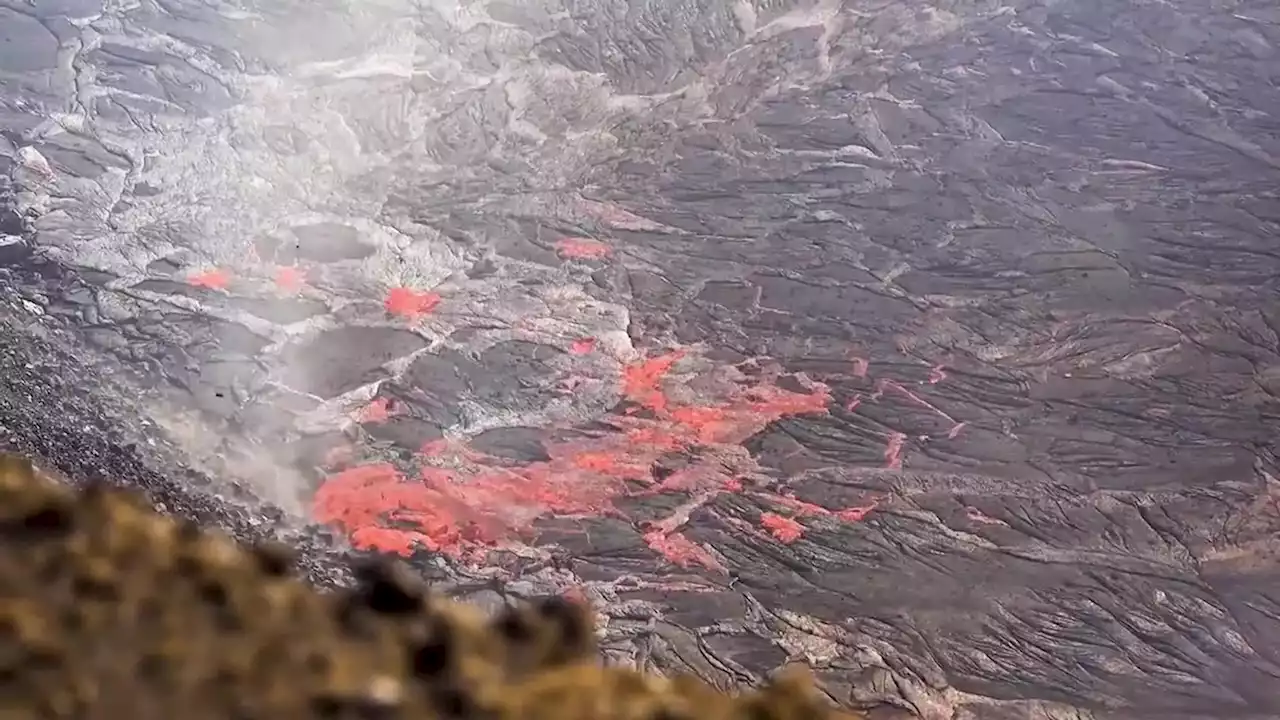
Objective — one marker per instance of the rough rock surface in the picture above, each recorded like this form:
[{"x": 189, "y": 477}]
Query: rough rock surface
[
  {"x": 934, "y": 344},
  {"x": 112, "y": 611}
]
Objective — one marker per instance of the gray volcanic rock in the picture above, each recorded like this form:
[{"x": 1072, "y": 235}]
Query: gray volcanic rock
[{"x": 934, "y": 344}]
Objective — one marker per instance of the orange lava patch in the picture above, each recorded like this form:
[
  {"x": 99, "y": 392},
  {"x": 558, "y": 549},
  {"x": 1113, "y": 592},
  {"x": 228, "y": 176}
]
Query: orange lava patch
[
  {"x": 785, "y": 529},
  {"x": 463, "y": 503},
  {"x": 582, "y": 249},
  {"x": 799, "y": 508},
  {"x": 680, "y": 550},
  {"x": 788, "y": 529},
  {"x": 215, "y": 279},
  {"x": 290, "y": 278},
  {"x": 640, "y": 381},
  {"x": 457, "y": 513},
  {"x": 410, "y": 304},
  {"x": 582, "y": 346}
]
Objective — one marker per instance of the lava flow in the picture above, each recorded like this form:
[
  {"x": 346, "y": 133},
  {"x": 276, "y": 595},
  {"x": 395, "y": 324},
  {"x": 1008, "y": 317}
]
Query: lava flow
[
  {"x": 462, "y": 502},
  {"x": 410, "y": 304},
  {"x": 214, "y": 279}
]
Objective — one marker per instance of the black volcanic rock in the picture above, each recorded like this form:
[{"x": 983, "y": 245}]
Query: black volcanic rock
[{"x": 934, "y": 345}]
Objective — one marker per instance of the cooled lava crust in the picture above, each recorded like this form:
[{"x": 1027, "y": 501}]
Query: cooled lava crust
[{"x": 932, "y": 345}]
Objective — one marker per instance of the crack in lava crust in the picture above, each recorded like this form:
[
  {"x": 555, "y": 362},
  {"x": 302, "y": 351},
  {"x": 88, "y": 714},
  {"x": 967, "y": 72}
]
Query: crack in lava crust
[{"x": 464, "y": 503}]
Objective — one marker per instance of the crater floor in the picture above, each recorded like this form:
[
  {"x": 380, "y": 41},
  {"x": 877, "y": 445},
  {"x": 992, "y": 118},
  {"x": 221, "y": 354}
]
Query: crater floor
[{"x": 933, "y": 344}]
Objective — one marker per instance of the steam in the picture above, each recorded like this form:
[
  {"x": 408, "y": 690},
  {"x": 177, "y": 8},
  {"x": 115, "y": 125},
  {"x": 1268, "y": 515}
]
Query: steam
[
  {"x": 334, "y": 113},
  {"x": 326, "y": 165}
]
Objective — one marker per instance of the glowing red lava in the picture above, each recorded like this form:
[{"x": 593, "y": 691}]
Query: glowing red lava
[
  {"x": 214, "y": 279},
  {"x": 410, "y": 304},
  {"x": 582, "y": 346},
  {"x": 463, "y": 502},
  {"x": 785, "y": 529},
  {"x": 290, "y": 278},
  {"x": 788, "y": 530},
  {"x": 680, "y": 550},
  {"x": 582, "y": 249}
]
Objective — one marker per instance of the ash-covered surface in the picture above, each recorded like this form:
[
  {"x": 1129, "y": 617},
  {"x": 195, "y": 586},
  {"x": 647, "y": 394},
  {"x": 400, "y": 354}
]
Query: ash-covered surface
[{"x": 934, "y": 344}]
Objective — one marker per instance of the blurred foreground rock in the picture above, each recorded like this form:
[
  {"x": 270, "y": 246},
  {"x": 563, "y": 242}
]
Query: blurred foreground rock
[{"x": 110, "y": 610}]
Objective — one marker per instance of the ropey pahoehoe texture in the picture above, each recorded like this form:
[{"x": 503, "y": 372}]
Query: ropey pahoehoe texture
[{"x": 108, "y": 609}]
